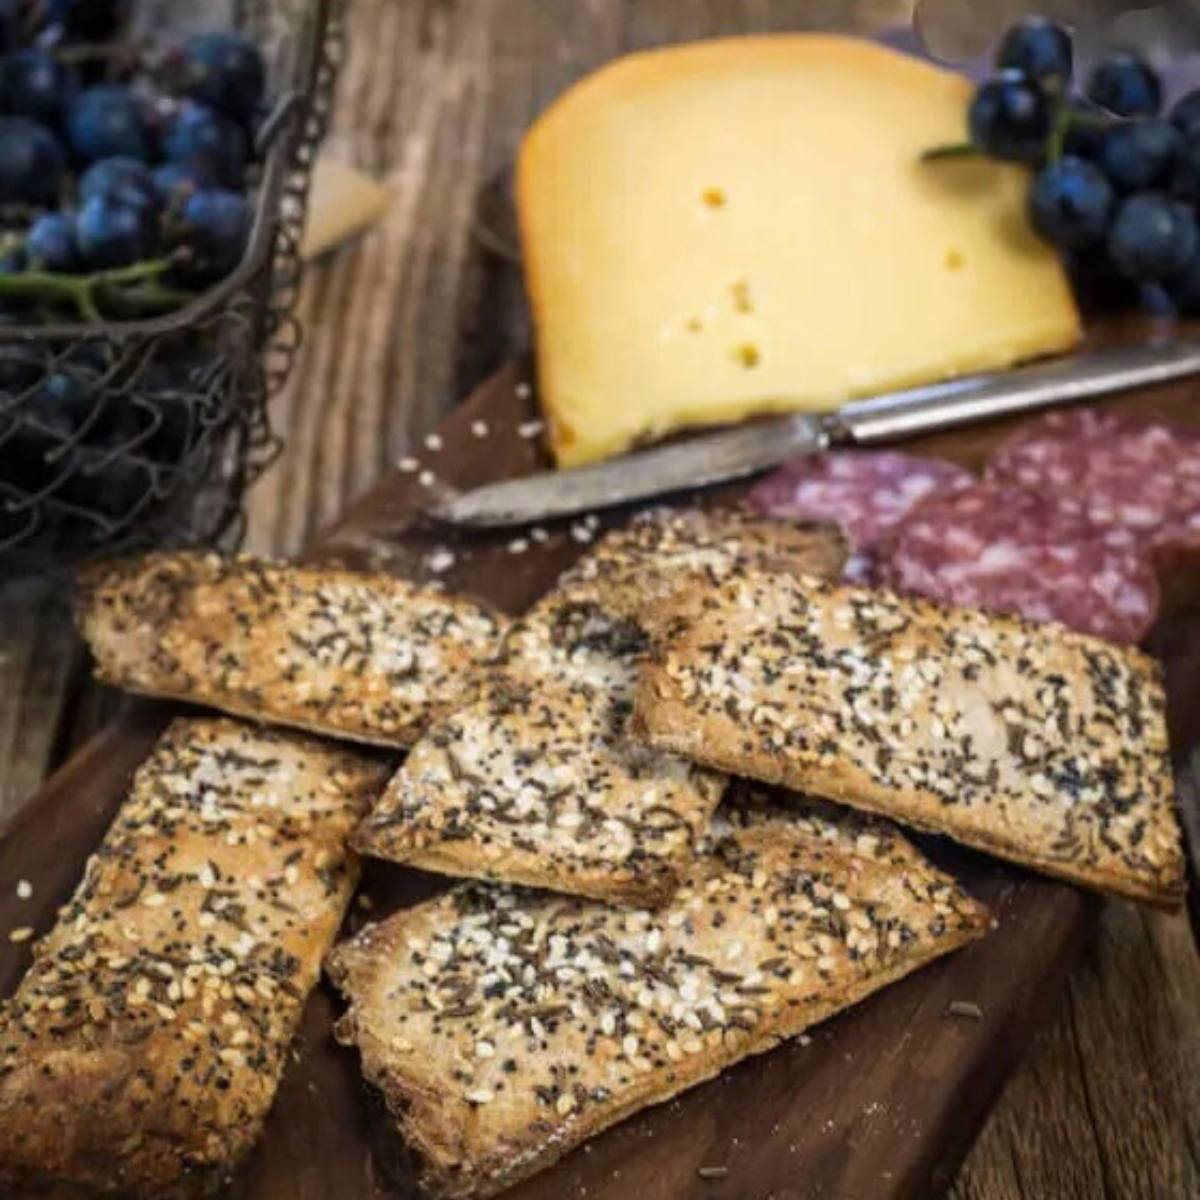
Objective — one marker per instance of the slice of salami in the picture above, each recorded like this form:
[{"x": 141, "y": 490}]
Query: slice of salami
[
  {"x": 865, "y": 491},
  {"x": 1005, "y": 548},
  {"x": 1119, "y": 470}
]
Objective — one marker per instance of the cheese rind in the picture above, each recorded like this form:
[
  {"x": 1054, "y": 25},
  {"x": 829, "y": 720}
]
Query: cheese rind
[{"x": 730, "y": 228}]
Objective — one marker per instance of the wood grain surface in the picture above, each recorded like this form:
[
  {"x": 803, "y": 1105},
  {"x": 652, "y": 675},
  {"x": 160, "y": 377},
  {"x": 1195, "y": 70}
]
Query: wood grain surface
[{"x": 433, "y": 98}]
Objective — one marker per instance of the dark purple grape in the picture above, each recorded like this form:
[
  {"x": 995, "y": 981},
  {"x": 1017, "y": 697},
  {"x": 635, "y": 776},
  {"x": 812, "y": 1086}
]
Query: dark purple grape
[
  {"x": 1184, "y": 289},
  {"x": 211, "y": 147},
  {"x": 226, "y": 71},
  {"x": 1070, "y": 203},
  {"x": 1086, "y": 129},
  {"x": 1139, "y": 155},
  {"x": 107, "y": 122},
  {"x": 31, "y": 162},
  {"x": 1125, "y": 84},
  {"x": 1185, "y": 115},
  {"x": 215, "y": 231},
  {"x": 173, "y": 183},
  {"x": 1152, "y": 237},
  {"x": 50, "y": 243},
  {"x": 1009, "y": 118},
  {"x": 113, "y": 233},
  {"x": 1041, "y": 50},
  {"x": 35, "y": 84},
  {"x": 124, "y": 179},
  {"x": 1185, "y": 176}
]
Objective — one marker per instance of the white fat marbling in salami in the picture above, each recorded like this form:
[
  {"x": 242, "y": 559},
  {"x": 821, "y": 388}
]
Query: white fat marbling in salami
[
  {"x": 1005, "y": 548},
  {"x": 865, "y": 491},
  {"x": 1119, "y": 470}
]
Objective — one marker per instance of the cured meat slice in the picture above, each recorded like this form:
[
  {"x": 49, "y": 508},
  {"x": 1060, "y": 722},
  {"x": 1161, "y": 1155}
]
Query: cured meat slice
[
  {"x": 865, "y": 491},
  {"x": 1118, "y": 469},
  {"x": 1005, "y": 548}
]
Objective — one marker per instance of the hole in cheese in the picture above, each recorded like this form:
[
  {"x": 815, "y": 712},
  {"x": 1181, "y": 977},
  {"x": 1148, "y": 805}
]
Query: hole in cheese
[
  {"x": 714, "y": 197},
  {"x": 740, "y": 291},
  {"x": 746, "y": 355}
]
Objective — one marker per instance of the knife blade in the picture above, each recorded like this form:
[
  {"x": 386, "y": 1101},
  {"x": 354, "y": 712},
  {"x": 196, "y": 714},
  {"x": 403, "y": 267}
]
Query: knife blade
[{"x": 747, "y": 449}]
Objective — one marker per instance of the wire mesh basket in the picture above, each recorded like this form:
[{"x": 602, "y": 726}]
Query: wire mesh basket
[{"x": 169, "y": 421}]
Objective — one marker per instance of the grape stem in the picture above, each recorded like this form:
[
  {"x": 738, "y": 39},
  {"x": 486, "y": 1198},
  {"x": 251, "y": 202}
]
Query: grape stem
[
  {"x": 951, "y": 150},
  {"x": 1065, "y": 119},
  {"x": 86, "y": 292},
  {"x": 84, "y": 52}
]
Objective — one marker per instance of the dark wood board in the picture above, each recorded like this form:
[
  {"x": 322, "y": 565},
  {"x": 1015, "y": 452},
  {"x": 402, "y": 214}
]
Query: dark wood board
[{"x": 880, "y": 1104}]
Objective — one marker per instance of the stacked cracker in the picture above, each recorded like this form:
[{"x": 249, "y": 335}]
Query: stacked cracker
[{"x": 583, "y": 751}]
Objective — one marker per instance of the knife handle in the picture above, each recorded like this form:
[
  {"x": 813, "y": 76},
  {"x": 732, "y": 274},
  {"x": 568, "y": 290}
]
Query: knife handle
[{"x": 990, "y": 397}]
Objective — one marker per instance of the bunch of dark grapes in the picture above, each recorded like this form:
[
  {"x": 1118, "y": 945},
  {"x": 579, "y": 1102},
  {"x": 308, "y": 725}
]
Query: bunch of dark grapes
[
  {"x": 1117, "y": 180},
  {"x": 125, "y": 173}
]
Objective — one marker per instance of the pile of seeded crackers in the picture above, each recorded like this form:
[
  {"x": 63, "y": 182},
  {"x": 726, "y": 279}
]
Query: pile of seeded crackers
[{"x": 673, "y": 795}]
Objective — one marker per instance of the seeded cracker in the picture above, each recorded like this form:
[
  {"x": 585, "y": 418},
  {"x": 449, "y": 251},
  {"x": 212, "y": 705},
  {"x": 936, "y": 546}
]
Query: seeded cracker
[
  {"x": 142, "y": 1050},
  {"x": 365, "y": 657},
  {"x": 506, "y": 1027},
  {"x": 533, "y": 780},
  {"x": 1036, "y": 744},
  {"x": 641, "y": 564}
]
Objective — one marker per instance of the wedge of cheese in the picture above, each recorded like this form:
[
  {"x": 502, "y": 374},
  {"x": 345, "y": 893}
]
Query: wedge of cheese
[{"x": 736, "y": 227}]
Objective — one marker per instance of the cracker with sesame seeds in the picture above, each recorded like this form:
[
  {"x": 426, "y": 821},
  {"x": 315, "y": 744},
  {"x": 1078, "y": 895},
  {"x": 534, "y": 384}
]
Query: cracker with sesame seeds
[
  {"x": 506, "y": 1027},
  {"x": 365, "y": 657},
  {"x": 534, "y": 781},
  {"x": 640, "y": 565},
  {"x": 1039, "y": 745},
  {"x": 142, "y": 1050}
]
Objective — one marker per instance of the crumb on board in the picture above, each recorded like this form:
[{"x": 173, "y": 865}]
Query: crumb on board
[
  {"x": 22, "y": 934},
  {"x": 439, "y": 560},
  {"x": 24, "y": 889},
  {"x": 433, "y": 442},
  {"x": 426, "y": 479},
  {"x": 524, "y": 391},
  {"x": 479, "y": 429},
  {"x": 964, "y": 1008},
  {"x": 539, "y": 535},
  {"x": 518, "y": 545},
  {"x": 408, "y": 464},
  {"x": 530, "y": 429}
]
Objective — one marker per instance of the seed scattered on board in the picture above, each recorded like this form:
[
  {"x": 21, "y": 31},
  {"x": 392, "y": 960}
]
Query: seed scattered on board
[{"x": 964, "y": 1008}]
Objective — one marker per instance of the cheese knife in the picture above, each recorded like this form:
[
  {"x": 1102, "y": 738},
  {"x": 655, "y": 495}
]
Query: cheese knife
[{"x": 744, "y": 450}]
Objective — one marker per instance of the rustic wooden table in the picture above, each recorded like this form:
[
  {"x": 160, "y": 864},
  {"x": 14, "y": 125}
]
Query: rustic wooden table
[{"x": 433, "y": 98}]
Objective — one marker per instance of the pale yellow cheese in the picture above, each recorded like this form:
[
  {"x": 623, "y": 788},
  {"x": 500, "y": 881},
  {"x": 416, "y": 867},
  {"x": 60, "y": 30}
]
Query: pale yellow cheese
[{"x": 736, "y": 227}]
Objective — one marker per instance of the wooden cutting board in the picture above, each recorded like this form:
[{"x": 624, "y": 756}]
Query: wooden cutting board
[{"x": 879, "y": 1104}]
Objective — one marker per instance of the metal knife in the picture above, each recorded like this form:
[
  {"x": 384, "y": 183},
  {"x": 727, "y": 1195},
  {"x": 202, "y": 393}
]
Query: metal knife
[{"x": 745, "y": 450}]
